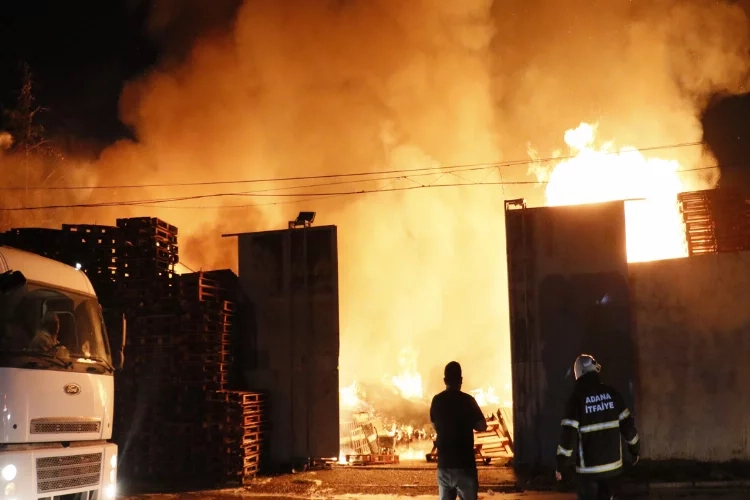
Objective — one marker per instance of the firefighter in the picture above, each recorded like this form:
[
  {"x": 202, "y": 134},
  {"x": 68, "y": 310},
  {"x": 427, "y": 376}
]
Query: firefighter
[{"x": 595, "y": 418}]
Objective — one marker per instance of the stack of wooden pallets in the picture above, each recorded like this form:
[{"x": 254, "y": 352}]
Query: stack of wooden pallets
[
  {"x": 716, "y": 220},
  {"x": 496, "y": 442}
]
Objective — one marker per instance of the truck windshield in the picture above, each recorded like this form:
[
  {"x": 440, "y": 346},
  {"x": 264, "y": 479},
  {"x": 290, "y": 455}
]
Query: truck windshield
[{"x": 52, "y": 328}]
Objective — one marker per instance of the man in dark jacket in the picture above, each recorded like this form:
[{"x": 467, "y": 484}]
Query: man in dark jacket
[
  {"x": 595, "y": 418},
  {"x": 455, "y": 416}
]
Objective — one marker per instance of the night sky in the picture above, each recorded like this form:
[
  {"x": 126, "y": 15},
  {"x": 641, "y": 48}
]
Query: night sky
[{"x": 81, "y": 53}]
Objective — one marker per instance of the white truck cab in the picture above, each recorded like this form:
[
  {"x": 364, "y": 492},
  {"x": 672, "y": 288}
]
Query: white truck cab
[{"x": 56, "y": 387}]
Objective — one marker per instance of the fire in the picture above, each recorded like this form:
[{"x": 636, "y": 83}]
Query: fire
[
  {"x": 653, "y": 220},
  {"x": 409, "y": 385},
  {"x": 409, "y": 382},
  {"x": 400, "y": 426},
  {"x": 348, "y": 396},
  {"x": 486, "y": 397},
  {"x": 361, "y": 418},
  {"x": 412, "y": 454}
]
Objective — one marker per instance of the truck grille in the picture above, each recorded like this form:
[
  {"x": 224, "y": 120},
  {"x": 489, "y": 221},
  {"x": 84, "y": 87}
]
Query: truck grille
[
  {"x": 65, "y": 425},
  {"x": 64, "y": 473}
]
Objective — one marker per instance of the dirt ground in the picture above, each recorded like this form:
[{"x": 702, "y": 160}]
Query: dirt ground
[
  {"x": 380, "y": 483},
  {"x": 411, "y": 481},
  {"x": 238, "y": 494}
]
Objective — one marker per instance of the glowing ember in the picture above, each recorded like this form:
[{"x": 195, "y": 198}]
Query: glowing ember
[{"x": 653, "y": 220}]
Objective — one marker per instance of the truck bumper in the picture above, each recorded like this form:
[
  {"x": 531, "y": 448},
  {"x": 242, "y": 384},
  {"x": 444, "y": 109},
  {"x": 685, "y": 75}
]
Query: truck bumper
[{"x": 48, "y": 471}]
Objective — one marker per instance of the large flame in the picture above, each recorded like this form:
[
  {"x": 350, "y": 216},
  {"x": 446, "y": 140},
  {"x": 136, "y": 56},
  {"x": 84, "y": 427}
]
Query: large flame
[
  {"x": 489, "y": 398},
  {"x": 349, "y": 397},
  {"x": 409, "y": 381},
  {"x": 409, "y": 385},
  {"x": 653, "y": 221}
]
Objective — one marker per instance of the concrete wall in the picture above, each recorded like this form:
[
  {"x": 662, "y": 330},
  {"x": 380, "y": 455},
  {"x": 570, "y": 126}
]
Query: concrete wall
[
  {"x": 692, "y": 318},
  {"x": 561, "y": 262}
]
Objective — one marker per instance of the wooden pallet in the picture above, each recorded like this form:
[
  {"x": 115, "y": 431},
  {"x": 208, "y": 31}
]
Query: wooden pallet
[
  {"x": 138, "y": 353},
  {"x": 199, "y": 279},
  {"x": 166, "y": 281},
  {"x": 236, "y": 397},
  {"x": 249, "y": 473},
  {"x": 150, "y": 320},
  {"x": 202, "y": 294},
  {"x": 167, "y": 253},
  {"x": 372, "y": 459},
  {"x": 188, "y": 337},
  {"x": 205, "y": 385},
  {"x": 135, "y": 267},
  {"x": 254, "y": 408},
  {"x": 254, "y": 419},
  {"x": 204, "y": 373},
  {"x": 145, "y": 223},
  {"x": 205, "y": 327},
  {"x": 207, "y": 316},
  {"x": 91, "y": 229},
  {"x": 151, "y": 340},
  {"x": 221, "y": 358},
  {"x": 198, "y": 307}
]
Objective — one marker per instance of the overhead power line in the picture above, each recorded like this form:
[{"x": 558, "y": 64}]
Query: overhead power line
[
  {"x": 436, "y": 169},
  {"x": 261, "y": 194}
]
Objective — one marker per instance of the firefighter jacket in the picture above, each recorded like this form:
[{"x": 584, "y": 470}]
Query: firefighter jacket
[{"x": 595, "y": 417}]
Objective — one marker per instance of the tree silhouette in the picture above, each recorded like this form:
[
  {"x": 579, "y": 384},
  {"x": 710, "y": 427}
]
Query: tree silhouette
[
  {"x": 29, "y": 141},
  {"x": 28, "y": 134}
]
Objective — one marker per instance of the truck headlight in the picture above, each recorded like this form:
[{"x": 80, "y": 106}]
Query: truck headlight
[
  {"x": 109, "y": 491},
  {"x": 113, "y": 461},
  {"x": 9, "y": 472}
]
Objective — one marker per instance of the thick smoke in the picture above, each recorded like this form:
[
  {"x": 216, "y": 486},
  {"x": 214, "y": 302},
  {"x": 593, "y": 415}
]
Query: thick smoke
[
  {"x": 643, "y": 69},
  {"x": 6, "y": 141},
  {"x": 25, "y": 174},
  {"x": 322, "y": 87}
]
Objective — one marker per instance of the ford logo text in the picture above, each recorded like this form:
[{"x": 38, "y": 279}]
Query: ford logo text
[{"x": 72, "y": 389}]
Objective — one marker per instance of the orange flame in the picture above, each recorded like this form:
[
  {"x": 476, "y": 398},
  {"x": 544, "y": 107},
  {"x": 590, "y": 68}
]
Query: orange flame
[
  {"x": 349, "y": 397},
  {"x": 409, "y": 381},
  {"x": 653, "y": 221},
  {"x": 409, "y": 385}
]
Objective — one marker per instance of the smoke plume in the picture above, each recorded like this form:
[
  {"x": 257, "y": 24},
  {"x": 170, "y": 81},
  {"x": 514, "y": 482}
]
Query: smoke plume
[
  {"x": 6, "y": 141},
  {"x": 323, "y": 87},
  {"x": 342, "y": 87}
]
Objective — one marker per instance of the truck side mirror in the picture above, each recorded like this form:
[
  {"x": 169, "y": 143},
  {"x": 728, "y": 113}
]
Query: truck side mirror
[
  {"x": 118, "y": 352},
  {"x": 10, "y": 281},
  {"x": 116, "y": 323}
]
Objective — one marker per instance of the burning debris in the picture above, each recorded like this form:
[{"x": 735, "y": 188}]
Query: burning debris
[
  {"x": 377, "y": 421},
  {"x": 380, "y": 425}
]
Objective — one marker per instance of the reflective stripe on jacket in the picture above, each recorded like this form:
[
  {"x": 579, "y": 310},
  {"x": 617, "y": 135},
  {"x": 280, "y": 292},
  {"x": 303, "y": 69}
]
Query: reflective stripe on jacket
[{"x": 595, "y": 418}]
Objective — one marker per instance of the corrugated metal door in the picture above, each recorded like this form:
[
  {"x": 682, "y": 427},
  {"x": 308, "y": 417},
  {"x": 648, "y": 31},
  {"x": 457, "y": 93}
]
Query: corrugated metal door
[
  {"x": 569, "y": 294},
  {"x": 292, "y": 278}
]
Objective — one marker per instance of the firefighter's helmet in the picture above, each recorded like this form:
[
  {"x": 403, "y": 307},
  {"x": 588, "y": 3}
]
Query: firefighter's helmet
[{"x": 585, "y": 363}]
